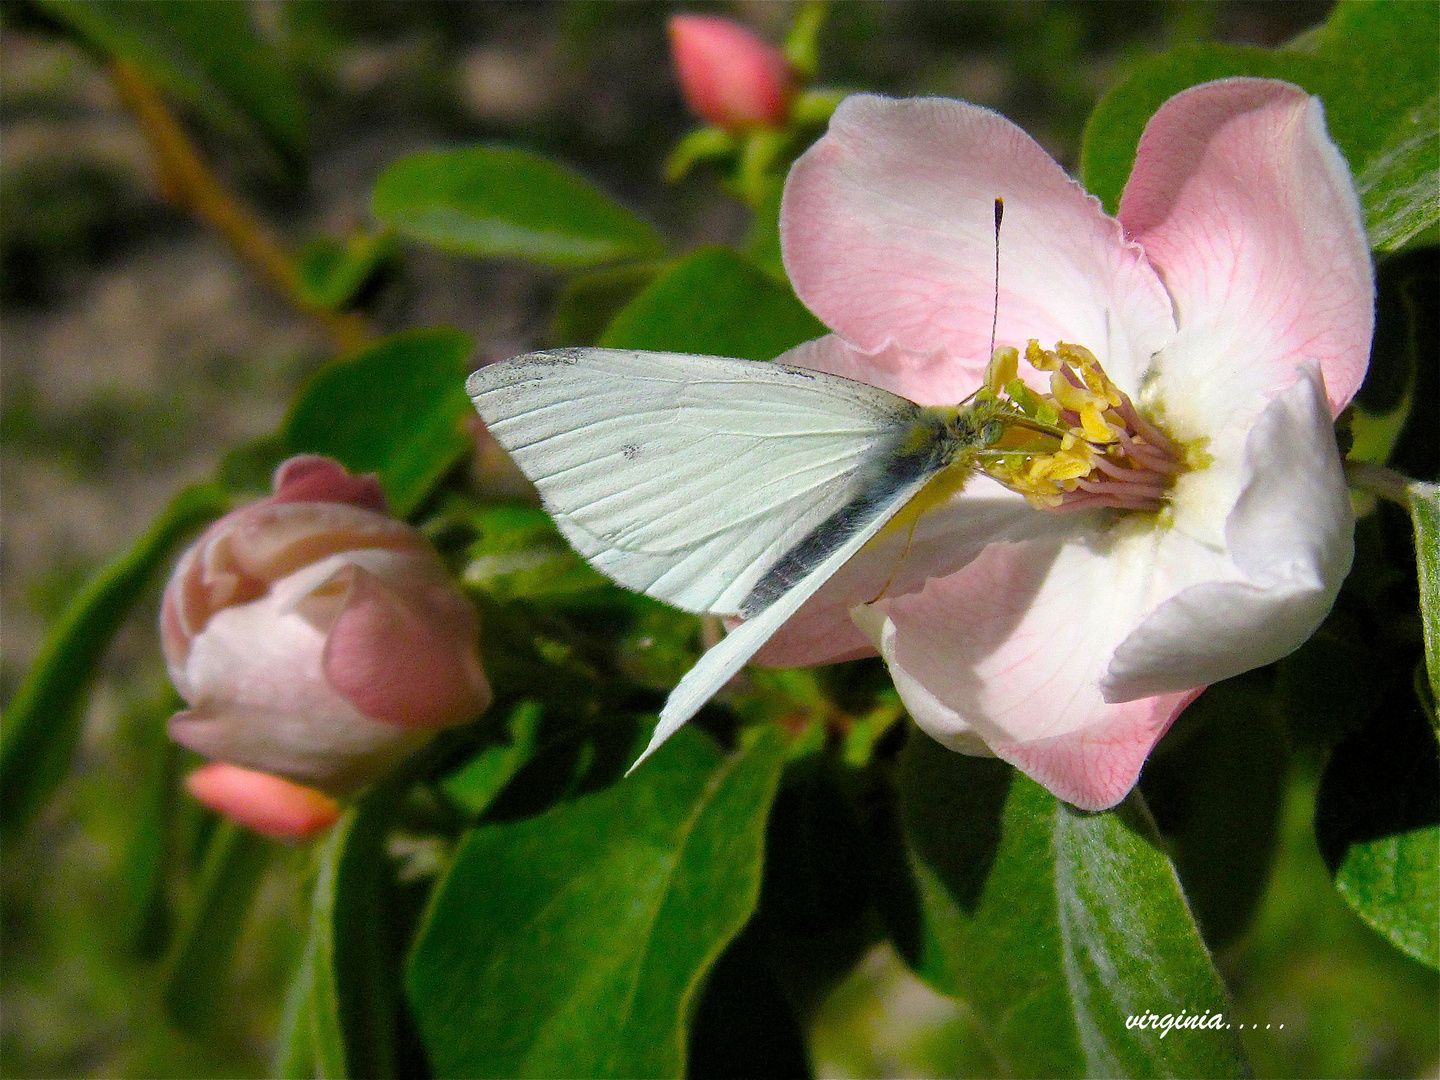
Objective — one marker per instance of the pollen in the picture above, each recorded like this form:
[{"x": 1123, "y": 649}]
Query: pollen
[{"x": 1083, "y": 444}]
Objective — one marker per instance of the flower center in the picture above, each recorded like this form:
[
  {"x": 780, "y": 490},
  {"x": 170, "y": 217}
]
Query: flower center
[{"x": 1082, "y": 445}]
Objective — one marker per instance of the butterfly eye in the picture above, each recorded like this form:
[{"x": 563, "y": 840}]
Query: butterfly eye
[{"x": 992, "y": 432}]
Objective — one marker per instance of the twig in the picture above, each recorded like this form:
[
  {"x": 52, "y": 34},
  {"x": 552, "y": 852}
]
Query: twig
[{"x": 188, "y": 183}]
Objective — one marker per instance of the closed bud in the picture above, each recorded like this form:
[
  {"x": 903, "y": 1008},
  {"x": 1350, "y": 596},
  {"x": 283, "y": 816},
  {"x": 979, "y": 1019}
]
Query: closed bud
[
  {"x": 728, "y": 75},
  {"x": 315, "y": 639}
]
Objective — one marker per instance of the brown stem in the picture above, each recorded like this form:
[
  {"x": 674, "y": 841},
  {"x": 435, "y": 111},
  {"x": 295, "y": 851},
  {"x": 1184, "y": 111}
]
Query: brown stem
[{"x": 187, "y": 182}]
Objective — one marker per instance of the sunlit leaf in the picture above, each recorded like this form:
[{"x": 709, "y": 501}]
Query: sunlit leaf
[
  {"x": 1425, "y": 513},
  {"x": 393, "y": 408},
  {"x": 493, "y": 201},
  {"x": 340, "y": 1012},
  {"x": 572, "y": 943},
  {"x": 1055, "y": 925},
  {"x": 714, "y": 302}
]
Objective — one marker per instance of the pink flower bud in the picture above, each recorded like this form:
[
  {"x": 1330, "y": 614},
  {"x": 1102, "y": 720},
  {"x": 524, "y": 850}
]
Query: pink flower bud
[
  {"x": 729, "y": 76},
  {"x": 315, "y": 639}
]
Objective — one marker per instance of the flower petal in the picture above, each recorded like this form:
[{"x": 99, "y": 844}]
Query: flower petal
[
  {"x": 1247, "y": 210},
  {"x": 1289, "y": 539},
  {"x": 404, "y": 651},
  {"x": 271, "y": 806},
  {"x": 887, "y": 227},
  {"x": 313, "y": 478},
  {"x": 1008, "y": 653}
]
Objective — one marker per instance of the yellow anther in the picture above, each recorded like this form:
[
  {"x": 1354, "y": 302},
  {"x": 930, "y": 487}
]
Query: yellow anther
[
  {"x": 1069, "y": 395},
  {"x": 1039, "y": 359},
  {"x": 1004, "y": 367},
  {"x": 1094, "y": 425}
]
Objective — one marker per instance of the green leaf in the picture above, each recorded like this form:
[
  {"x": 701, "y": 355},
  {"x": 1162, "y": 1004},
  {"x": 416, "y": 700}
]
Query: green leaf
[
  {"x": 589, "y": 301},
  {"x": 475, "y": 784},
  {"x": 1055, "y": 925},
  {"x": 194, "y": 973},
  {"x": 497, "y": 202},
  {"x": 42, "y": 721},
  {"x": 331, "y": 272},
  {"x": 393, "y": 408},
  {"x": 1373, "y": 64},
  {"x": 208, "y": 52},
  {"x": 340, "y": 1012},
  {"x": 1377, "y": 821},
  {"x": 520, "y": 554},
  {"x": 1398, "y": 185},
  {"x": 1425, "y": 514},
  {"x": 571, "y": 944},
  {"x": 1217, "y": 799},
  {"x": 718, "y": 303}
]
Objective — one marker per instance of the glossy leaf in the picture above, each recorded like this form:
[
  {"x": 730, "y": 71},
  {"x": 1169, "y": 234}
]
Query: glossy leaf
[
  {"x": 572, "y": 943},
  {"x": 208, "y": 52},
  {"x": 1377, "y": 821},
  {"x": 1055, "y": 925},
  {"x": 194, "y": 974},
  {"x": 340, "y": 1011},
  {"x": 496, "y": 202},
  {"x": 42, "y": 721},
  {"x": 393, "y": 408},
  {"x": 714, "y": 302},
  {"x": 1372, "y": 64},
  {"x": 1398, "y": 185},
  {"x": 1217, "y": 798},
  {"x": 1425, "y": 513}
]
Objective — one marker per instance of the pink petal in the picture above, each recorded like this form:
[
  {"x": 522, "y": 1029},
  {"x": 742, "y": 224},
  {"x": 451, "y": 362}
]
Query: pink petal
[
  {"x": 405, "y": 653},
  {"x": 1094, "y": 768},
  {"x": 1247, "y": 210},
  {"x": 887, "y": 227},
  {"x": 1010, "y": 650},
  {"x": 1289, "y": 540},
  {"x": 312, "y": 478},
  {"x": 271, "y": 806}
]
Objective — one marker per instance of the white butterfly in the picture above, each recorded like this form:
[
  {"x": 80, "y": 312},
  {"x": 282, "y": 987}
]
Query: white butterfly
[{"x": 722, "y": 486}]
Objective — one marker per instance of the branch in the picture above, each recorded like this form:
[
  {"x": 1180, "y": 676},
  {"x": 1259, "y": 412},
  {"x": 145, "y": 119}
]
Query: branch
[{"x": 188, "y": 183}]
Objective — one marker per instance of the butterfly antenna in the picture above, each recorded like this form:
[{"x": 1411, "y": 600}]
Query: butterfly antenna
[{"x": 995, "y": 311}]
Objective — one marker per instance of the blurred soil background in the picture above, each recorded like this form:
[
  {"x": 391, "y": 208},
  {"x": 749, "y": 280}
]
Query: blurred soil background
[{"x": 136, "y": 350}]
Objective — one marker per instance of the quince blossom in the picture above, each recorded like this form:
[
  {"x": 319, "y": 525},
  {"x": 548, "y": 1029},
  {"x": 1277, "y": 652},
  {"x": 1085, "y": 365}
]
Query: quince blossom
[
  {"x": 1227, "y": 308},
  {"x": 317, "y": 641}
]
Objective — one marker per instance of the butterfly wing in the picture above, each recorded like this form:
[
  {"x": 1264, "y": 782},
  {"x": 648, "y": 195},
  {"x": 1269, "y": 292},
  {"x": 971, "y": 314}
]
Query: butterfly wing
[
  {"x": 684, "y": 477},
  {"x": 728, "y": 656}
]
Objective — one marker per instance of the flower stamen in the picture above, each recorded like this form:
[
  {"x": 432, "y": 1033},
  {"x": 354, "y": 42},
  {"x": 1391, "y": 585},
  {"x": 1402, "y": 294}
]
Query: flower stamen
[{"x": 1082, "y": 445}]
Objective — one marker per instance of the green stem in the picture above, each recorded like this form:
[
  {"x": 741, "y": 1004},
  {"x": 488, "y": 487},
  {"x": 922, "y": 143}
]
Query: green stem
[{"x": 1380, "y": 481}]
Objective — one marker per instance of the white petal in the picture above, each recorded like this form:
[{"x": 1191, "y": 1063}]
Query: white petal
[{"x": 1289, "y": 540}]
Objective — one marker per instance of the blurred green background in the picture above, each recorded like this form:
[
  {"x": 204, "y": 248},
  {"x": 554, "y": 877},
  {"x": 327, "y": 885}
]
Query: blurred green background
[{"x": 136, "y": 350}]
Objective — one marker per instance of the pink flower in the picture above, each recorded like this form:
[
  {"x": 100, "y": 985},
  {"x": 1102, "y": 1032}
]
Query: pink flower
[
  {"x": 1232, "y": 301},
  {"x": 730, "y": 76},
  {"x": 315, "y": 639}
]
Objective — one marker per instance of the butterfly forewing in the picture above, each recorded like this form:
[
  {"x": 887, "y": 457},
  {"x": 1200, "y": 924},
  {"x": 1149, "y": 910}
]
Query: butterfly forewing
[{"x": 684, "y": 477}]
